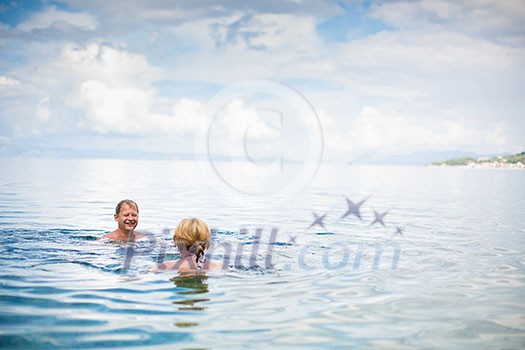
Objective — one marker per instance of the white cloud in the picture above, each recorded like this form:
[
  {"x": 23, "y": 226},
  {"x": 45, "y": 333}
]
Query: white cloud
[
  {"x": 267, "y": 31},
  {"x": 384, "y": 133},
  {"x": 487, "y": 17},
  {"x": 240, "y": 122},
  {"x": 104, "y": 89},
  {"x": 118, "y": 96},
  {"x": 6, "y": 82},
  {"x": 335, "y": 139},
  {"x": 43, "y": 112},
  {"x": 51, "y": 17},
  {"x": 155, "y": 12},
  {"x": 113, "y": 67},
  {"x": 240, "y": 129},
  {"x": 430, "y": 78},
  {"x": 422, "y": 55},
  {"x": 189, "y": 117},
  {"x": 238, "y": 47},
  {"x": 115, "y": 109},
  {"x": 129, "y": 111}
]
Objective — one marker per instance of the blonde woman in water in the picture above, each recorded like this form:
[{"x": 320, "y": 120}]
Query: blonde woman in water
[{"x": 192, "y": 238}]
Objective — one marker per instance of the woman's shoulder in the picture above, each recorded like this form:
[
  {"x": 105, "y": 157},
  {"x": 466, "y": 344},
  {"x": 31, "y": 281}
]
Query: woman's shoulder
[
  {"x": 182, "y": 265},
  {"x": 212, "y": 265},
  {"x": 168, "y": 265}
]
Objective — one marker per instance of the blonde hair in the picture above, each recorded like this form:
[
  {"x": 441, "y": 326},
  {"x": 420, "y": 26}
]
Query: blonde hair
[{"x": 193, "y": 235}]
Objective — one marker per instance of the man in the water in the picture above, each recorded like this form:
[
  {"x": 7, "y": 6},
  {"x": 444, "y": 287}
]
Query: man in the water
[{"x": 127, "y": 217}]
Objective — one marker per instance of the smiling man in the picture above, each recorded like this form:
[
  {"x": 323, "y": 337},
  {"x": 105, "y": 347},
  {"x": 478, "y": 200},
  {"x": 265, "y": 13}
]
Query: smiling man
[{"x": 127, "y": 217}]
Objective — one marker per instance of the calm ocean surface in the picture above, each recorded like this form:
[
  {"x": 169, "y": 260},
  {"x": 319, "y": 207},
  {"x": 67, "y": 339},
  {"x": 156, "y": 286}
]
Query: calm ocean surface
[{"x": 446, "y": 271}]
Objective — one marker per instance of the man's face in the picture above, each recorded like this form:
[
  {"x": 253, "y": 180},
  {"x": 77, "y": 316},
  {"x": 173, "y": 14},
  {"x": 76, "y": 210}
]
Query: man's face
[{"x": 128, "y": 218}]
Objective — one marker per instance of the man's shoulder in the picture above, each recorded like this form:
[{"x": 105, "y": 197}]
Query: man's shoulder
[
  {"x": 111, "y": 235},
  {"x": 140, "y": 235},
  {"x": 116, "y": 235}
]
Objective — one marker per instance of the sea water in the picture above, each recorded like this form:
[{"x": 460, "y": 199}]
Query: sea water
[{"x": 443, "y": 268}]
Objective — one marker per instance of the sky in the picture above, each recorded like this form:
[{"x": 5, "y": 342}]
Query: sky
[{"x": 343, "y": 80}]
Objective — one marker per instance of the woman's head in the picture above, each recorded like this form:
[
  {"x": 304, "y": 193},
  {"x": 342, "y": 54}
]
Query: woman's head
[{"x": 192, "y": 235}]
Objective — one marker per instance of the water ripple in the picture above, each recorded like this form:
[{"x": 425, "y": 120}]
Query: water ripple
[{"x": 458, "y": 283}]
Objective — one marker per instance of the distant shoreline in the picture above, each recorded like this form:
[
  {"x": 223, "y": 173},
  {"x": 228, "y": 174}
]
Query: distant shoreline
[
  {"x": 481, "y": 166},
  {"x": 515, "y": 161}
]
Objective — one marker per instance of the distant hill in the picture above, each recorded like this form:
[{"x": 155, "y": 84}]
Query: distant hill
[
  {"x": 413, "y": 158},
  {"x": 509, "y": 161}
]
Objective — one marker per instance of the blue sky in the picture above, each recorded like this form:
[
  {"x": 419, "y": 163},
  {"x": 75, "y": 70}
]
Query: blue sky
[{"x": 385, "y": 78}]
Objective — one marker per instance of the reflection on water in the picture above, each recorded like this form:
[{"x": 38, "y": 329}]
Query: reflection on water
[
  {"x": 192, "y": 284},
  {"x": 196, "y": 283}
]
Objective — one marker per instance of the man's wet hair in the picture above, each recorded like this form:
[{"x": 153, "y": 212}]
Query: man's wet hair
[{"x": 128, "y": 202}]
